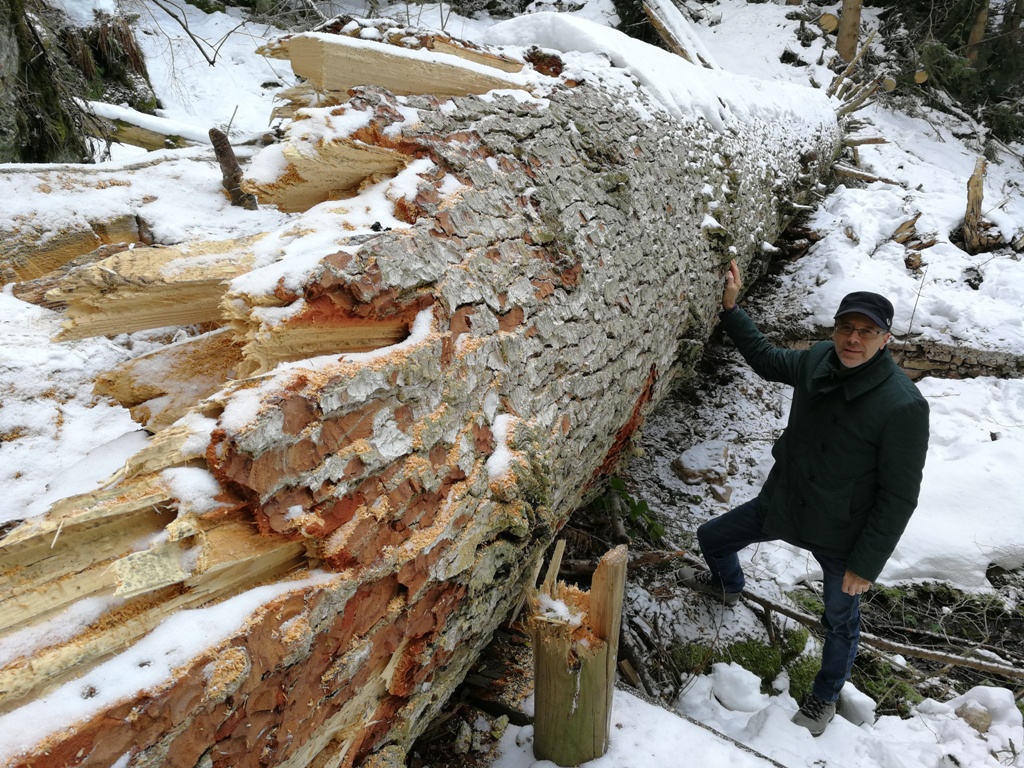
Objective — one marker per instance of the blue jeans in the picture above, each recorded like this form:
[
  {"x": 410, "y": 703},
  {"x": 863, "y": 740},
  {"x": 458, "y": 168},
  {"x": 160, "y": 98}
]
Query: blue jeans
[{"x": 722, "y": 537}]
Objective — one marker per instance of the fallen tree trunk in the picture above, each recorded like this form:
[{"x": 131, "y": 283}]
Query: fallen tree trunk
[{"x": 357, "y": 525}]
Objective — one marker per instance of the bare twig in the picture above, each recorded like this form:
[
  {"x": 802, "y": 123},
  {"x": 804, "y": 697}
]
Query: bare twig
[
  {"x": 855, "y": 173},
  {"x": 880, "y": 643},
  {"x": 183, "y": 23}
]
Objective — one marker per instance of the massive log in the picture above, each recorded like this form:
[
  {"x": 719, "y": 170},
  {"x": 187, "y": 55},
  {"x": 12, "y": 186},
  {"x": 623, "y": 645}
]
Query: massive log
[{"x": 352, "y": 526}]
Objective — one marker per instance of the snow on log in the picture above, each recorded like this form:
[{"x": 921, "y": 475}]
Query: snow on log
[
  {"x": 674, "y": 30},
  {"x": 25, "y": 255},
  {"x": 422, "y": 381},
  {"x": 150, "y": 288},
  {"x": 335, "y": 63}
]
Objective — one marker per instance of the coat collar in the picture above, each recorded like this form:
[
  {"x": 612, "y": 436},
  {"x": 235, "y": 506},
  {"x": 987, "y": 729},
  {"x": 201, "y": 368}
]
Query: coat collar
[{"x": 829, "y": 373}]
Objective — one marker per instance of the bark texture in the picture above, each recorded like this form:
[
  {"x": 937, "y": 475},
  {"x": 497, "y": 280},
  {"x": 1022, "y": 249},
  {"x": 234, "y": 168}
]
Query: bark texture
[
  {"x": 849, "y": 29},
  {"x": 560, "y": 270}
]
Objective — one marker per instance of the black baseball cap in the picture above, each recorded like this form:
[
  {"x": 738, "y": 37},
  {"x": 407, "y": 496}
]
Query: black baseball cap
[{"x": 871, "y": 305}]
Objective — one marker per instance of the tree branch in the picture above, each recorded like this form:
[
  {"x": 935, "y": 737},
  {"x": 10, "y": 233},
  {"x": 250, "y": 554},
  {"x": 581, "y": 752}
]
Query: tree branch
[{"x": 880, "y": 643}]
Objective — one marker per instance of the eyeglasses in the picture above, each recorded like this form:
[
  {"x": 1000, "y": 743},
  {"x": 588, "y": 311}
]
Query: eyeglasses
[{"x": 845, "y": 329}]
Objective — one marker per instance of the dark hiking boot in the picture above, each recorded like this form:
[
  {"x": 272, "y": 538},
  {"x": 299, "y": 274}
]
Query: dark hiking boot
[
  {"x": 815, "y": 714},
  {"x": 703, "y": 581}
]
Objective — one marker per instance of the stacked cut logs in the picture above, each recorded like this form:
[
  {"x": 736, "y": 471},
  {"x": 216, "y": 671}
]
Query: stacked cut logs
[{"x": 386, "y": 433}]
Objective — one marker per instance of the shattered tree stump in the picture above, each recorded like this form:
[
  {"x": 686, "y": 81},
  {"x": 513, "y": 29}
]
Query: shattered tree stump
[
  {"x": 575, "y": 647},
  {"x": 974, "y": 235},
  {"x": 551, "y": 267}
]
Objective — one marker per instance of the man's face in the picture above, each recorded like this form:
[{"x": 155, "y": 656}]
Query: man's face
[{"x": 857, "y": 339}]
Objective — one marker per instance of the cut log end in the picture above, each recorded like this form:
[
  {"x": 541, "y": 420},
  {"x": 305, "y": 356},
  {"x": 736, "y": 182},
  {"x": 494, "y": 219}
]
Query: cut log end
[{"x": 828, "y": 22}]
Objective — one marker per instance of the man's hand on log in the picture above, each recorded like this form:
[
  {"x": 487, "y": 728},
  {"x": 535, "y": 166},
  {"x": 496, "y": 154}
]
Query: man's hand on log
[{"x": 733, "y": 283}]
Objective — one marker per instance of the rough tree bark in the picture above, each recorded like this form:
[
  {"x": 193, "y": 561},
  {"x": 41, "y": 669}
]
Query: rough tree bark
[
  {"x": 977, "y": 33},
  {"x": 554, "y": 268},
  {"x": 849, "y": 29}
]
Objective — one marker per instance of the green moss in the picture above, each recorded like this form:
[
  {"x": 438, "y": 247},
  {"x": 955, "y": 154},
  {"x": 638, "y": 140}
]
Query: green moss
[
  {"x": 766, "y": 660},
  {"x": 762, "y": 659},
  {"x": 802, "y": 672},
  {"x": 692, "y": 658},
  {"x": 890, "y": 687},
  {"x": 794, "y": 641},
  {"x": 809, "y": 601},
  {"x": 47, "y": 121}
]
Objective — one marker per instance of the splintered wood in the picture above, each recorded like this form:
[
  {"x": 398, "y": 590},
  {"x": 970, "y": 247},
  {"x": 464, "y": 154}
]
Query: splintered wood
[
  {"x": 575, "y": 646},
  {"x": 367, "y": 521},
  {"x": 150, "y": 288},
  {"x": 326, "y": 170},
  {"x": 24, "y": 255},
  {"x": 161, "y": 386},
  {"x": 973, "y": 233},
  {"x": 335, "y": 63}
]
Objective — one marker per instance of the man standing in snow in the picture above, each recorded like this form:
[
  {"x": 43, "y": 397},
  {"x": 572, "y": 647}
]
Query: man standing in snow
[{"x": 845, "y": 480}]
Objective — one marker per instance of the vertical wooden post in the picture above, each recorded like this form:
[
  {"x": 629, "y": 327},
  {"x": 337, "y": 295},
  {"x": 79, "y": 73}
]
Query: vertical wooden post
[
  {"x": 849, "y": 29},
  {"x": 972, "y": 218},
  {"x": 575, "y": 646},
  {"x": 977, "y": 33}
]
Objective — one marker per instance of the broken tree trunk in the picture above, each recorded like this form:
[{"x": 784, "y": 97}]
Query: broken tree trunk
[
  {"x": 351, "y": 527},
  {"x": 575, "y": 649},
  {"x": 974, "y": 235},
  {"x": 675, "y": 32},
  {"x": 977, "y": 33}
]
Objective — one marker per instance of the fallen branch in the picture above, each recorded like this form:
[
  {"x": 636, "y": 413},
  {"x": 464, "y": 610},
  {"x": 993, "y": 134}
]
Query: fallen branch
[
  {"x": 859, "y": 98},
  {"x": 855, "y": 141},
  {"x": 580, "y": 569},
  {"x": 880, "y": 643},
  {"x": 231, "y": 171},
  {"x": 855, "y": 173},
  {"x": 849, "y": 67}
]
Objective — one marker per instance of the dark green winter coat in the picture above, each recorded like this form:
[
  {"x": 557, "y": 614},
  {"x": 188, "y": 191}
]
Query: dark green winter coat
[{"x": 848, "y": 466}]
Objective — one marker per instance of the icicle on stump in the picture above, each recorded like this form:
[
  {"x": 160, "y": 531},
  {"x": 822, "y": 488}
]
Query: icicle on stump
[{"x": 575, "y": 646}]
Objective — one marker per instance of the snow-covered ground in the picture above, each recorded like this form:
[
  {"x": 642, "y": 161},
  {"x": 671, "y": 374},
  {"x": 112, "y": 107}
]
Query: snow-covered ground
[{"x": 56, "y": 437}]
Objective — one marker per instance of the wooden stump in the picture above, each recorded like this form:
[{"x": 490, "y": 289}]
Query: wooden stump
[
  {"x": 575, "y": 645},
  {"x": 973, "y": 233}
]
